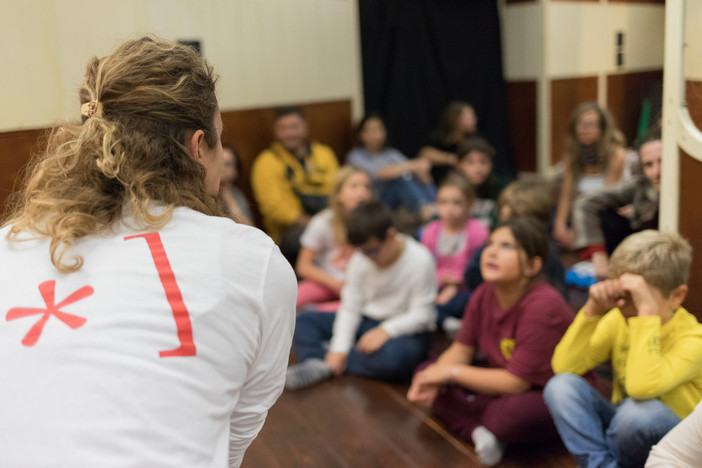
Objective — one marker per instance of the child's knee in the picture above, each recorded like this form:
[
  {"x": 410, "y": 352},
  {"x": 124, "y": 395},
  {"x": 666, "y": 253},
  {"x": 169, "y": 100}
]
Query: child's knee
[
  {"x": 637, "y": 426},
  {"x": 560, "y": 389},
  {"x": 636, "y": 419},
  {"x": 393, "y": 361},
  {"x": 307, "y": 325},
  {"x": 302, "y": 325},
  {"x": 413, "y": 355}
]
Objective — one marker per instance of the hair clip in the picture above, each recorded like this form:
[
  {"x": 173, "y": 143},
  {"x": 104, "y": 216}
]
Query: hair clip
[{"x": 91, "y": 108}]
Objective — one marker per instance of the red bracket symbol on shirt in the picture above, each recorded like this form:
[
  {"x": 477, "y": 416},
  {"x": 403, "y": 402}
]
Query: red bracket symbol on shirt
[{"x": 47, "y": 293}]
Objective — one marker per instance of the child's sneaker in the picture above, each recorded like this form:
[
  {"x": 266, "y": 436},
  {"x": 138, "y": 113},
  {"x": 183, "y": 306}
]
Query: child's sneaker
[
  {"x": 582, "y": 275},
  {"x": 307, "y": 373}
]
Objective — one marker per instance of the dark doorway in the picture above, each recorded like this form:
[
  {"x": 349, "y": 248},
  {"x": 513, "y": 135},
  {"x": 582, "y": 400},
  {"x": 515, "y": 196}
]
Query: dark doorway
[{"x": 420, "y": 54}]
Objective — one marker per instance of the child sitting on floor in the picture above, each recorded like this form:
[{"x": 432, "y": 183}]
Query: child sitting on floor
[
  {"x": 454, "y": 237},
  {"x": 475, "y": 161},
  {"x": 521, "y": 198},
  {"x": 597, "y": 219},
  {"x": 635, "y": 321},
  {"x": 457, "y": 121},
  {"x": 324, "y": 251},
  {"x": 514, "y": 321},
  {"x": 594, "y": 157},
  {"x": 387, "y": 308},
  {"x": 397, "y": 181}
]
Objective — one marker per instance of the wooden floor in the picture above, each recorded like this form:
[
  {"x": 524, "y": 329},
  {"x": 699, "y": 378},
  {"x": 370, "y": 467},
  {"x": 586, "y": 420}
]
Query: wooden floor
[{"x": 356, "y": 422}]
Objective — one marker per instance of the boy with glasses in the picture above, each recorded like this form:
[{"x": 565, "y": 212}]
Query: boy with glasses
[{"x": 387, "y": 308}]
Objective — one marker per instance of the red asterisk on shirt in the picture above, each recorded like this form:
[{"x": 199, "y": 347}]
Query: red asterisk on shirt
[{"x": 47, "y": 293}]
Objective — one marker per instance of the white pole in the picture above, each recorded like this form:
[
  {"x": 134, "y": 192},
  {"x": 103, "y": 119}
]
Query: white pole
[{"x": 672, "y": 101}]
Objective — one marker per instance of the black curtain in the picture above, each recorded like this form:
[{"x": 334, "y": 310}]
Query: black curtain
[{"x": 420, "y": 54}]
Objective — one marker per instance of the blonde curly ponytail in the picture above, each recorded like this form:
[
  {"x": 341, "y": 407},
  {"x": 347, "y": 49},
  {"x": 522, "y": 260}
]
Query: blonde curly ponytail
[{"x": 128, "y": 150}]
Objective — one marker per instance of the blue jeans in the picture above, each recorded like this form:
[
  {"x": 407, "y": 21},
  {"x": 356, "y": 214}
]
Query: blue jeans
[
  {"x": 455, "y": 307},
  {"x": 394, "y": 361},
  {"x": 410, "y": 193},
  {"x": 600, "y": 434}
]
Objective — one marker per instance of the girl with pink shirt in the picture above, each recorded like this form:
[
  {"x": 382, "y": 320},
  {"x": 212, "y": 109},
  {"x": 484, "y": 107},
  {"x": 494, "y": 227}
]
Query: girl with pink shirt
[{"x": 454, "y": 237}]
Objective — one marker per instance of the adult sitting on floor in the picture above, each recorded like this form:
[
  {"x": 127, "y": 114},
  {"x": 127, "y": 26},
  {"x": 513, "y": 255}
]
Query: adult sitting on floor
[
  {"x": 140, "y": 327},
  {"x": 599, "y": 226},
  {"x": 292, "y": 180}
]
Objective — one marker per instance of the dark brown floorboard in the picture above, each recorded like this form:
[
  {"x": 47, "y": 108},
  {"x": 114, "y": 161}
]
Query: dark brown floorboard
[{"x": 355, "y": 422}]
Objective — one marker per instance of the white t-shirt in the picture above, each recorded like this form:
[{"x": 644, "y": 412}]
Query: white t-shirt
[
  {"x": 400, "y": 295},
  {"x": 319, "y": 236},
  {"x": 681, "y": 447},
  {"x": 165, "y": 349}
]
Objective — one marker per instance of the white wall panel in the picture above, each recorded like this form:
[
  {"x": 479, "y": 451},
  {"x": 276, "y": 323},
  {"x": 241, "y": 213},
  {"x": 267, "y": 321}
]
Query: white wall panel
[
  {"x": 693, "y": 38},
  {"x": 267, "y": 52},
  {"x": 582, "y": 37},
  {"x": 522, "y": 41}
]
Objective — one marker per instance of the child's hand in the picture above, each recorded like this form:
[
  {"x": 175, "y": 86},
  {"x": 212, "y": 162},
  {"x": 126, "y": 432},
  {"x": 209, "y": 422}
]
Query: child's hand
[
  {"x": 419, "y": 165},
  {"x": 337, "y": 286},
  {"x": 423, "y": 395},
  {"x": 599, "y": 261},
  {"x": 604, "y": 295},
  {"x": 372, "y": 340},
  {"x": 646, "y": 299},
  {"x": 447, "y": 293},
  {"x": 564, "y": 236},
  {"x": 336, "y": 362},
  {"x": 425, "y": 384},
  {"x": 421, "y": 168},
  {"x": 421, "y": 391}
]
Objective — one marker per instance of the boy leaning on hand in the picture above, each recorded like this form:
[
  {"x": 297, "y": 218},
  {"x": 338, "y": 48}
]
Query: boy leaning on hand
[{"x": 635, "y": 320}]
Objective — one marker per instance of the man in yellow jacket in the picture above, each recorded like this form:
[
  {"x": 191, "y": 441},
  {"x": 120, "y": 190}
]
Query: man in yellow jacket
[
  {"x": 635, "y": 321},
  {"x": 292, "y": 180}
]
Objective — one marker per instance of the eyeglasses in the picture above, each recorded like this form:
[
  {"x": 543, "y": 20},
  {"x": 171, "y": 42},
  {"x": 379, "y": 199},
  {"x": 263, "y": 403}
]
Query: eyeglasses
[
  {"x": 372, "y": 251},
  {"x": 587, "y": 125}
]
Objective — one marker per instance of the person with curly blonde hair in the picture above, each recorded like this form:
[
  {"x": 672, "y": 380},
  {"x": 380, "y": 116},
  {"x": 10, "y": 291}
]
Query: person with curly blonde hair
[
  {"x": 594, "y": 157},
  {"x": 141, "y": 327}
]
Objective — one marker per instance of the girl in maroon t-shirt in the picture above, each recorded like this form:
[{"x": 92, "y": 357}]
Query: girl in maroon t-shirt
[{"x": 514, "y": 322}]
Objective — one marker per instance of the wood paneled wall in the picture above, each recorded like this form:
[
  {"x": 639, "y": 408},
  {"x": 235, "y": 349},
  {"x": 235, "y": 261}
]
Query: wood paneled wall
[
  {"x": 690, "y": 225},
  {"x": 248, "y": 131},
  {"x": 521, "y": 109},
  {"x": 566, "y": 95},
  {"x": 16, "y": 149},
  {"x": 625, "y": 93}
]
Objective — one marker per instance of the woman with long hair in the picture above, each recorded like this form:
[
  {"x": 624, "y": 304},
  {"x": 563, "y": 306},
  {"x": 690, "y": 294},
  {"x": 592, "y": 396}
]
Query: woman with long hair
[
  {"x": 397, "y": 181},
  {"x": 142, "y": 328},
  {"x": 594, "y": 157},
  {"x": 457, "y": 121}
]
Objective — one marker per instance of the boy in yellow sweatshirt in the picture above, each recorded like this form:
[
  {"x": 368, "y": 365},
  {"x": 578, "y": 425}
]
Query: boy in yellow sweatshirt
[{"x": 635, "y": 321}]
